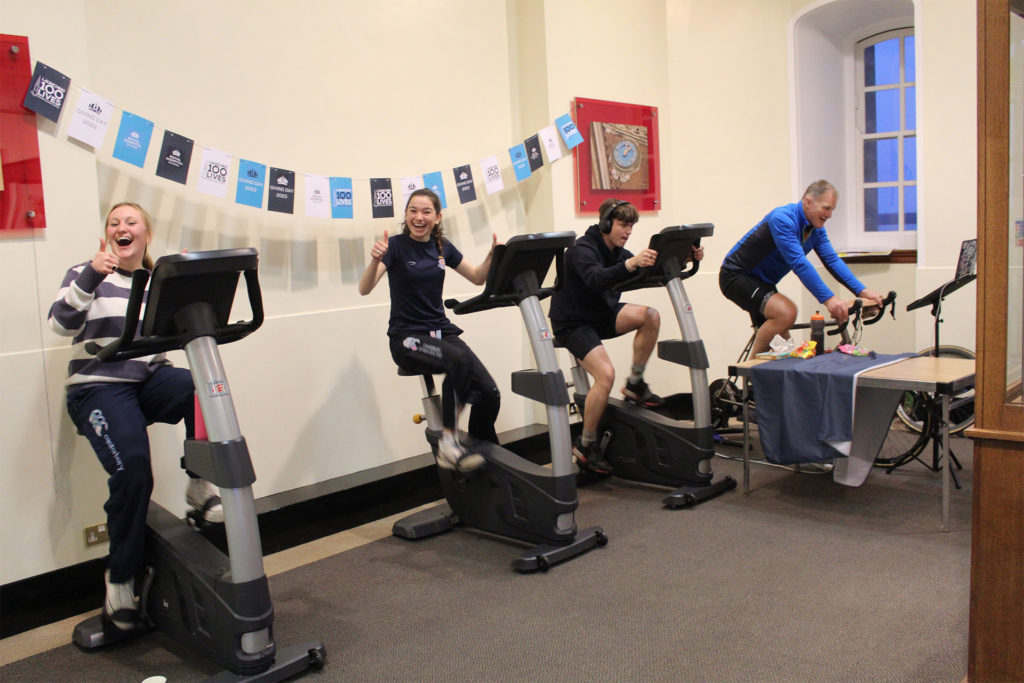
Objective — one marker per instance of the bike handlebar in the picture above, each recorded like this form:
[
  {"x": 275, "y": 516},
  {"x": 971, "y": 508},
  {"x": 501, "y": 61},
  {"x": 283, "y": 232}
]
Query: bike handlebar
[
  {"x": 890, "y": 302},
  {"x": 502, "y": 299},
  {"x": 857, "y": 314},
  {"x": 854, "y": 313}
]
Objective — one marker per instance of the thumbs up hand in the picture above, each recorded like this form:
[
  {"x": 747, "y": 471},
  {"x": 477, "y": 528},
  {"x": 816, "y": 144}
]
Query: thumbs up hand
[
  {"x": 380, "y": 247},
  {"x": 104, "y": 261}
]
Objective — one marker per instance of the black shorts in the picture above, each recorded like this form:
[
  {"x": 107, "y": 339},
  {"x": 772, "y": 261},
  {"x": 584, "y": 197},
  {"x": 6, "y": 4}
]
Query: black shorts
[
  {"x": 583, "y": 339},
  {"x": 747, "y": 292}
]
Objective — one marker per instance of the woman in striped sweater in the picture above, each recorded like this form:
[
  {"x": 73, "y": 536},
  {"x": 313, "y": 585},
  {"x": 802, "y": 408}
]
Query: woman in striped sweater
[{"x": 112, "y": 403}]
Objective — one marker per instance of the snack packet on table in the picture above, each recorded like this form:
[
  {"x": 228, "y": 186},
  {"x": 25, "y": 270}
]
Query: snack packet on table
[
  {"x": 853, "y": 350},
  {"x": 805, "y": 350}
]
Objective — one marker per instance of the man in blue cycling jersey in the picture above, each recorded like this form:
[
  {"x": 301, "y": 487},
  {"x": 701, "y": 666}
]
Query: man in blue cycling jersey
[{"x": 778, "y": 244}]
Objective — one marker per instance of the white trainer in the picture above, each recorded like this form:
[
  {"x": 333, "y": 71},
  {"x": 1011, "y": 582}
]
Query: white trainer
[
  {"x": 121, "y": 607},
  {"x": 451, "y": 455},
  {"x": 204, "y": 497}
]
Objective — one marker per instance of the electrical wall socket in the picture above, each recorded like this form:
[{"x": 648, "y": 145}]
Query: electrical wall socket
[{"x": 94, "y": 535}]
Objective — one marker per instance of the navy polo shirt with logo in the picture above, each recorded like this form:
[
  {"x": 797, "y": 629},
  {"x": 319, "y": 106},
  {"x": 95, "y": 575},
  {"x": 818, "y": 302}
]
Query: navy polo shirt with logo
[{"x": 416, "y": 280}]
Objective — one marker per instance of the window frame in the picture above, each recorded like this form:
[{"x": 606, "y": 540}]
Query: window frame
[{"x": 859, "y": 236}]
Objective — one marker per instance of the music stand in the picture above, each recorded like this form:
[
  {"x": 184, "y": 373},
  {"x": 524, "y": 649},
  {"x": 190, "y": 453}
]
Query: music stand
[
  {"x": 966, "y": 268},
  {"x": 965, "y": 273}
]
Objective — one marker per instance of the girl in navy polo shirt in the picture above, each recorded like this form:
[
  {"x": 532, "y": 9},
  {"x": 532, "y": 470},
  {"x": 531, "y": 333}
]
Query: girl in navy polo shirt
[{"x": 422, "y": 339}]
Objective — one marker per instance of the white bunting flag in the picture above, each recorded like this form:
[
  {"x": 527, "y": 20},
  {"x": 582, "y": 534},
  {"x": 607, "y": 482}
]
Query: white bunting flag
[
  {"x": 549, "y": 138},
  {"x": 318, "y": 196},
  {"x": 213, "y": 172},
  {"x": 91, "y": 119},
  {"x": 492, "y": 174},
  {"x": 409, "y": 185}
]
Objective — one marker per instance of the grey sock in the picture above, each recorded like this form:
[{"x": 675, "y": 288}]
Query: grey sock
[{"x": 638, "y": 374}]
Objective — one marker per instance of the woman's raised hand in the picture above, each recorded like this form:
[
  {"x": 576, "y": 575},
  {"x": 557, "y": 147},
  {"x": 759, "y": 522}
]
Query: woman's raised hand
[
  {"x": 104, "y": 261},
  {"x": 380, "y": 247}
]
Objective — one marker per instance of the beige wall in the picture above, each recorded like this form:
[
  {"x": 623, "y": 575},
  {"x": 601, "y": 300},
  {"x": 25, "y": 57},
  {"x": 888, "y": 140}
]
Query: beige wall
[
  {"x": 948, "y": 161},
  {"x": 399, "y": 88}
]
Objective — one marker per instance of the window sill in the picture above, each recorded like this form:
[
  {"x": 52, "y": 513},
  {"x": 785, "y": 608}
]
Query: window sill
[{"x": 894, "y": 256}]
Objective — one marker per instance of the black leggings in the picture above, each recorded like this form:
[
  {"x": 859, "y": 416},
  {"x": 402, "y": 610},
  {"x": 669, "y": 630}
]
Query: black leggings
[{"x": 466, "y": 380}]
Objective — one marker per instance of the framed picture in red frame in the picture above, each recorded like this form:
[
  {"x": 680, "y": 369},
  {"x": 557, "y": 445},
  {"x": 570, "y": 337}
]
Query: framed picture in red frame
[{"x": 619, "y": 156}]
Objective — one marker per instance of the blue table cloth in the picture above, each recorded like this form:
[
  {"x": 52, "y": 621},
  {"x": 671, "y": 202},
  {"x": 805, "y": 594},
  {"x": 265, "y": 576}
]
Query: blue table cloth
[{"x": 805, "y": 406}]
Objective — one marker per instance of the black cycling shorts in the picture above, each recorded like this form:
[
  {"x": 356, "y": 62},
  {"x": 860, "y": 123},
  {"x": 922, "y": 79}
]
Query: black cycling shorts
[
  {"x": 746, "y": 291},
  {"x": 583, "y": 339}
]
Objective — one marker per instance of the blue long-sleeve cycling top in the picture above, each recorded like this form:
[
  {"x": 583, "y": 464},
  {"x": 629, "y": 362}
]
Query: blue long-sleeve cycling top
[{"x": 780, "y": 242}]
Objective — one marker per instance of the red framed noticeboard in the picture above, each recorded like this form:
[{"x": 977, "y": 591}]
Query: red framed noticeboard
[
  {"x": 21, "y": 182},
  {"x": 619, "y": 156}
]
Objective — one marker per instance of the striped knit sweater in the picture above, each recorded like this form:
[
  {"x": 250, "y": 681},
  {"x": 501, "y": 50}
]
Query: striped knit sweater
[{"x": 91, "y": 307}]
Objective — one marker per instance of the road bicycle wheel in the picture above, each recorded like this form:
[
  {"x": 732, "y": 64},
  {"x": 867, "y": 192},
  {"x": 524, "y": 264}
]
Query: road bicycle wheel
[
  {"x": 904, "y": 443},
  {"x": 961, "y": 412}
]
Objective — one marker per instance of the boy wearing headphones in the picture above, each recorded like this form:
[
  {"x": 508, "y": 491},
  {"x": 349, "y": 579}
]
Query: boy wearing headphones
[{"x": 585, "y": 311}]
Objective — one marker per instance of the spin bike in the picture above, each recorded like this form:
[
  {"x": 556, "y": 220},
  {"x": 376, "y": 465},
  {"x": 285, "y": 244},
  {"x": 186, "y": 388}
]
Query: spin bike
[
  {"x": 671, "y": 445},
  {"x": 726, "y": 397},
  {"x": 511, "y": 496},
  {"x": 215, "y": 604}
]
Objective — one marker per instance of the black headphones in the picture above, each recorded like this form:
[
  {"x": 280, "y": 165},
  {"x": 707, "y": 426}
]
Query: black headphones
[{"x": 605, "y": 224}]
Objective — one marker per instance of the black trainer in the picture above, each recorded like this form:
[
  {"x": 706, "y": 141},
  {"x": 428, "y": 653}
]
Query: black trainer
[
  {"x": 590, "y": 458},
  {"x": 640, "y": 394}
]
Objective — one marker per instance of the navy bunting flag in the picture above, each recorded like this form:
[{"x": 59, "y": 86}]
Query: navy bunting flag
[
  {"x": 281, "y": 190},
  {"x": 175, "y": 157},
  {"x": 383, "y": 200},
  {"x": 47, "y": 92},
  {"x": 464, "y": 183},
  {"x": 533, "y": 152}
]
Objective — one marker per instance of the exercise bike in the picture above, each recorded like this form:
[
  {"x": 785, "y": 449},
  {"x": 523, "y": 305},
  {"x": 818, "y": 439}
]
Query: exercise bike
[
  {"x": 511, "y": 496},
  {"x": 671, "y": 445},
  {"x": 215, "y": 604}
]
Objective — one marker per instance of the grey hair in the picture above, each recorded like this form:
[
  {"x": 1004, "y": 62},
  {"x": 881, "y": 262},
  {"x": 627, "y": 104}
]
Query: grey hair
[{"x": 818, "y": 188}]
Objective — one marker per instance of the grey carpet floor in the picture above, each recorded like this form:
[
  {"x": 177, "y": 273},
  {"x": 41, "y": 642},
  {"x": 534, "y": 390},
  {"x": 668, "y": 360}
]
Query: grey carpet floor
[{"x": 801, "y": 580}]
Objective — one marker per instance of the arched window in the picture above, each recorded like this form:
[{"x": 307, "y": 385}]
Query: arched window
[
  {"x": 854, "y": 117},
  {"x": 886, "y": 131}
]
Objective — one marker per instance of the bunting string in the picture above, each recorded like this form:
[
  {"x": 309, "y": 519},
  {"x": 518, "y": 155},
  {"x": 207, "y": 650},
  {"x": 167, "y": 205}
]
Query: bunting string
[{"x": 261, "y": 186}]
